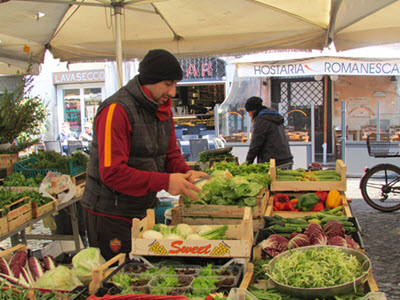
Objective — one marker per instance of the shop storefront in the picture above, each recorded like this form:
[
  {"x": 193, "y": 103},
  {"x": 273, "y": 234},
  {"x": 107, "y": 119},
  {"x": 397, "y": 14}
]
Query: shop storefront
[
  {"x": 202, "y": 87},
  {"x": 317, "y": 96},
  {"x": 79, "y": 94}
]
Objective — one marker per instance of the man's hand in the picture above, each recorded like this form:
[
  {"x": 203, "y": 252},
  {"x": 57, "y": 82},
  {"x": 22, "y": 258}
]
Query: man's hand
[
  {"x": 196, "y": 174},
  {"x": 180, "y": 184}
]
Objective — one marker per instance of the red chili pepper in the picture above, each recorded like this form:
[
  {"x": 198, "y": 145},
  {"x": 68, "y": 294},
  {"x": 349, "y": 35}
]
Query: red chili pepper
[
  {"x": 322, "y": 196},
  {"x": 292, "y": 205},
  {"x": 318, "y": 207},
  {"x": 280, "y": 201}
]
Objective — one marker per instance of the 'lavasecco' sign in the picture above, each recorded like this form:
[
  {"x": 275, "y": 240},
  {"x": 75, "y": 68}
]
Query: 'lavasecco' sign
[{"x": 328, "y": 66}]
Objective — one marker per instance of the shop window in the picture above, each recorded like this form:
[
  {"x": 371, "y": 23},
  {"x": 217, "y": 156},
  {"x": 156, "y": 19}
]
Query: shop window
[
  {"x": 79, "y": 104},
  {"x": 234, "y": 122},
  {"x": 72, "y": 109},
  {"x": 92, "y": 100}
]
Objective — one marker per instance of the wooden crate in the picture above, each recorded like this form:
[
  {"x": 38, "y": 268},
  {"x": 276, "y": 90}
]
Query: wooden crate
[
  {"x": 6, "y": 254},
  {"x": 38, "y": 211},
  {"x": 294, "y": 214},
  {"x": 197, "y": 214},
  {"x": 101, "y": 272},
  {"x": 20, "y": 215},
  {"x": 178, "y": 218},
  {"x": 341, "y": 185},
  {"x": 224, "y": 211},
  {"x": 238, "y": 244},
  {"x": 3, "y": 224},
  {"x": 7, "y": 161},
  {"x": 248, "y": 276},
  {"x": 19, "y": 189},
  {"x": 79, "y": 181}
]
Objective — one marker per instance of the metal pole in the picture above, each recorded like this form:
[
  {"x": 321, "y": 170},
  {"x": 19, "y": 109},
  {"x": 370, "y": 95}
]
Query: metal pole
[
  {"x": 312, "y": 133},
  {"x": 324, "y": 145},
  {"x": 118, "y": 41},
  {"x": 216, "y": 120},
  {"x": 378, "y": 122},
  {"x": 344, "y": 133}
]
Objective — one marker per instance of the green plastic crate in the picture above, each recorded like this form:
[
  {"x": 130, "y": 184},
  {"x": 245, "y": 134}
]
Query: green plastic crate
[
  {"x": 75, "y": 169},
  {"x": 23, "y": 167}
]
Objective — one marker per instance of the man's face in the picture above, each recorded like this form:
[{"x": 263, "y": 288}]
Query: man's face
[
  {"x": 161, "y": 91},
  {"x": 252, "y": 113}
]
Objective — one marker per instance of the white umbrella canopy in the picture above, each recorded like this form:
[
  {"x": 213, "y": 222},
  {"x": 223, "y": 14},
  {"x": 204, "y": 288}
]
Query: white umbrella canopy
[
  {"x": 15, "y": 67},
  {"x": 361, "y": 23},
  {"x": 95, "y": 30}
]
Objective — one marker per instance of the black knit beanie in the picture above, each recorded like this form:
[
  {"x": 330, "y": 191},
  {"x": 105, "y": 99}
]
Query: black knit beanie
[
  {"x": 159, "y": 65},
  {"x": 253, "y": 103}
]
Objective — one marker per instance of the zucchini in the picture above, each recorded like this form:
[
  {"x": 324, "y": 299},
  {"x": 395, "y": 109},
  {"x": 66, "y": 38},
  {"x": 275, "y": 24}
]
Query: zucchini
[
  {"x": 302, "y": 226},
  {"x": 347, "y": 224},
  {"x": 336, "y": 218},
  {"x": 285, "y": 229},
  {"x": 336, "y": 209},
  {"x": 349, "y": 229},
  {"x": 288, "y": 172},
  {"x": 296, "y": 221}
]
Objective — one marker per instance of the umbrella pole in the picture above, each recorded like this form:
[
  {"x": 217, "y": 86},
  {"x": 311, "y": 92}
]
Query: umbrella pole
[{"x": 118, "y": 43}]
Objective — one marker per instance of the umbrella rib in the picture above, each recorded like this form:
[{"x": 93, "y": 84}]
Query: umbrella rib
[
  {"x": 335, "y": 5},
  {"x": 60, "y": 27},
  {"x": 177, "y": 37}
]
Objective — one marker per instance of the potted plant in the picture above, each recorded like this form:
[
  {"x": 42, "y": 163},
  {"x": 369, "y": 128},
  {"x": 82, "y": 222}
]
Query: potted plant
[{"x": 21, "y": 119}]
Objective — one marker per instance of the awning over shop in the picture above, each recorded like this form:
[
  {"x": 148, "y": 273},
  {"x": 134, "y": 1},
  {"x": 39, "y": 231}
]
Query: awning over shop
[{"x": 375, "y": 61}]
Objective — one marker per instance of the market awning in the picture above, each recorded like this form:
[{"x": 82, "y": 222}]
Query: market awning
[{"x": 374, "y": 61}]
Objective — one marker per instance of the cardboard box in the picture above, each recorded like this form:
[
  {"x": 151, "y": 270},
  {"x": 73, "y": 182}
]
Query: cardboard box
[{"x": 58, "y": 248}]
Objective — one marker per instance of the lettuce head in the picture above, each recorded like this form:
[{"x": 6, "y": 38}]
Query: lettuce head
[{"x": 85, "y": 261}]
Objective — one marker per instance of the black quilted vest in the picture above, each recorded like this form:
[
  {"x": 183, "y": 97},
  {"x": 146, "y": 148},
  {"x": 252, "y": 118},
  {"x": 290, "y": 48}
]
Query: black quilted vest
[{"x": 149, "y": 143}]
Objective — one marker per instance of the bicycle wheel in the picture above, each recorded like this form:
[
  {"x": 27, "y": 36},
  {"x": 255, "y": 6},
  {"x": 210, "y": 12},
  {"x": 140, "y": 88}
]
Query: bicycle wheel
[{"x": 380, "y": 187}]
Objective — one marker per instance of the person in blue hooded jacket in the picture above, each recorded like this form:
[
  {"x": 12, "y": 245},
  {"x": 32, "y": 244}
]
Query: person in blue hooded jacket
[{"x": 269, "y": 139}]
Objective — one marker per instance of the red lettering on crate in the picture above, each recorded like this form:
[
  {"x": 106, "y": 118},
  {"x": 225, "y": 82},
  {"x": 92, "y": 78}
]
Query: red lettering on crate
[{"x": 185, "y": 249}]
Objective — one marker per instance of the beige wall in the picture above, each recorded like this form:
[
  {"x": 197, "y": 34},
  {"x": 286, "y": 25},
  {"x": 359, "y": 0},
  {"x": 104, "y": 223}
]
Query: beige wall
[{"x": 361, "y": 94}]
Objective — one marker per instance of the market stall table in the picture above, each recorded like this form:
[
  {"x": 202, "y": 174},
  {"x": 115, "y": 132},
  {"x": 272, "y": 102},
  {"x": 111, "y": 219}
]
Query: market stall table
[{"x": 18, "y": 234}]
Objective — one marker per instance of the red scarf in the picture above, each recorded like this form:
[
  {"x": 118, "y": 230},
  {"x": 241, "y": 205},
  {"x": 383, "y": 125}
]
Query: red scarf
[{"x": 164, "y": 110}]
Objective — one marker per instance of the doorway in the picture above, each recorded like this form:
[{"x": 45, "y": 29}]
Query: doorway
[
  {"x": 292, "y": 97},
  {"x": 78, "y": 103}
]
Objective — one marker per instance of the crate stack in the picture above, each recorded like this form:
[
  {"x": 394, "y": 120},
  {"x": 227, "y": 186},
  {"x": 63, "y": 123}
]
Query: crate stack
[
  {"x": 297, "y": 188},
  {"x": 77, "y": 173}
]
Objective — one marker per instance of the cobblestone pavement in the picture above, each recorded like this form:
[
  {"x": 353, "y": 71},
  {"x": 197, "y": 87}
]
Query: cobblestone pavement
[{"x": 381, "y": 235}]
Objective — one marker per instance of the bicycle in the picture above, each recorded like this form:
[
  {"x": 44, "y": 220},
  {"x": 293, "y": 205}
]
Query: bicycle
[{"x": 380, "y": 185}]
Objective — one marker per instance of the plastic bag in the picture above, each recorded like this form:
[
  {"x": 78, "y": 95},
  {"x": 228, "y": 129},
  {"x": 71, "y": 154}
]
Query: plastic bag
[{"x": 58, "y": 186}]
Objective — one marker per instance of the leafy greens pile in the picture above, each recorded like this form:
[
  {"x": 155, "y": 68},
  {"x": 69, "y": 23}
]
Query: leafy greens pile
[
  {"x": 50, "y": 159},
  {"x": 236, "y": 190},
  {"x": 316, "y": 268}
]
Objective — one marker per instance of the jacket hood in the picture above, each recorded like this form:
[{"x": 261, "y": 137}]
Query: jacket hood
[{"x": 271, "y": 115}]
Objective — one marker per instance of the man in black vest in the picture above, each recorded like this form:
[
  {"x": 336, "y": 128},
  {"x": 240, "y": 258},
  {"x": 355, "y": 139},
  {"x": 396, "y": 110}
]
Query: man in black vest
[{"x": 134, "y": 155}]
